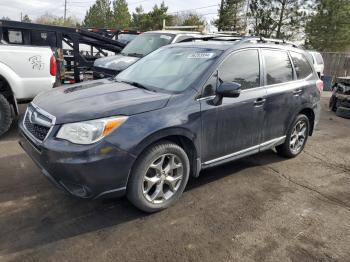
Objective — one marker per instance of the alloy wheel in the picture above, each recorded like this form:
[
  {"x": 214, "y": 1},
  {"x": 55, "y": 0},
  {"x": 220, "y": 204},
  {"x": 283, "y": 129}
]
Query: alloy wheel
[
  {"x": 298, "y": 137},
  {"x": 163, "y": 178}
]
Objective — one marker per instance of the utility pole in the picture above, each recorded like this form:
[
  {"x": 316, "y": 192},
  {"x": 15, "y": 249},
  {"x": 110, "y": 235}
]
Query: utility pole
[
  {"x": 220, "y": 15},
  {"x": 21, "y": 17},
  {"x": 65, "y": 10}
]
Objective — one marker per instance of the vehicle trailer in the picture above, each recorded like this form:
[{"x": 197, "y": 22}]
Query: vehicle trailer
[{"x": 19, "y": 33}]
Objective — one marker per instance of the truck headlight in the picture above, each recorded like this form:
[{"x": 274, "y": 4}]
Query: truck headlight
[{"x": 89, "y": 132}]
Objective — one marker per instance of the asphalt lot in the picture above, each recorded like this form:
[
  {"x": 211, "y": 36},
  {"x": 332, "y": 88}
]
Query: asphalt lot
[{"x": 262, "y": 208}]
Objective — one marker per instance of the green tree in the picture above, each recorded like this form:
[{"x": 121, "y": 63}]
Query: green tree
[
  {"x": 139, "y": 19},
  {"x": 152, "y": 20},
  {"x": 99, "y": 15},
  {"x": 121, "y": 15},
  {"x": 26, "y": 19},
  {"x": 328, "y": 29},
  {"x": 157, "y": 15},
  {"x": 278, "y": 18},
  {"x": 261, "y": 15},
  {"x": 5, "y": 18},
  {"x": 231, "y": 15}
]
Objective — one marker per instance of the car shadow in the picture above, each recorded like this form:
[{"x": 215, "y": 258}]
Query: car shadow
[{"x": 33, "y": 226}]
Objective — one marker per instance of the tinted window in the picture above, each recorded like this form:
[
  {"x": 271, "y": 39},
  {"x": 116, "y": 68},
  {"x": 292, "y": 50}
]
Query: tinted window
[
  {"x": 242, "y": 67},
  {"x": 301, "y": 65},
  {"x": 278, "y": 67},
  {"x": 15, "y": 37}
]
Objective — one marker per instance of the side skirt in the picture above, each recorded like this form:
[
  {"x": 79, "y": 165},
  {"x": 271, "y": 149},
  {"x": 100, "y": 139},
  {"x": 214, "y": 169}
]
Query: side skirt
[{"x": 245, "y": 152}]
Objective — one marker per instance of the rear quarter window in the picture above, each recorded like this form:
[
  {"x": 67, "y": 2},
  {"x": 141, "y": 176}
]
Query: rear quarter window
[{"x": 302, "y": 67}]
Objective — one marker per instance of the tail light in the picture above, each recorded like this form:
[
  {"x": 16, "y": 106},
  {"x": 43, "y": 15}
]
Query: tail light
[
  {"x": 53, "y": 66},
  {"x": 319, "y": 85}
]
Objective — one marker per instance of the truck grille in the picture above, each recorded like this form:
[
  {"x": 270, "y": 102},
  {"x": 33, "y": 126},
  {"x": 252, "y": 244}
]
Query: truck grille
[{"x": 37, "y": 122}]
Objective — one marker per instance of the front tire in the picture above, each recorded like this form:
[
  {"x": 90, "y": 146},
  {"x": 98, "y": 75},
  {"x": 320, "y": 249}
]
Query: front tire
[
  {"x": 159, "y": 177},
  {"x": 296, "y": 138},
  {"x": 6, "y": 118}
]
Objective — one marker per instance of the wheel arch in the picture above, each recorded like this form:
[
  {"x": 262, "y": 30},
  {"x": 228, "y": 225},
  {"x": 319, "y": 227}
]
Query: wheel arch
[
  {"x": 310, "y": 114},
  {"x": 7, "y": 92},
  {"x": 180, "y": 136}
]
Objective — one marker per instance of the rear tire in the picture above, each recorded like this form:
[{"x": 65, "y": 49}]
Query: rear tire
[
  {"x": 296, "y": 138},
  {"x": 6, "y": 117},
  {"x": 343, "y": 112},
  {"x": 159, "y": 177}
]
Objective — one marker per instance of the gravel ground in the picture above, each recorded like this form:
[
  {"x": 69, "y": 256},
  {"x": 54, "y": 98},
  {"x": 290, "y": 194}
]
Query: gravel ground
[{"x": 261, "y": 208}]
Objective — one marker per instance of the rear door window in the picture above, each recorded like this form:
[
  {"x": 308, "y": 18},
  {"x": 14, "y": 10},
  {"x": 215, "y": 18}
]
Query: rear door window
[
  {"x": 278, "y": 67},
  {"x": 242, "y": 67},
  {"x": 302, "y": 66}
]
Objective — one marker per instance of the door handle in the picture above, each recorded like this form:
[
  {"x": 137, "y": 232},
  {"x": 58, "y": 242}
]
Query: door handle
[
  {"x": 297, "y": 92},
  {"x": 259, "y": 102}
]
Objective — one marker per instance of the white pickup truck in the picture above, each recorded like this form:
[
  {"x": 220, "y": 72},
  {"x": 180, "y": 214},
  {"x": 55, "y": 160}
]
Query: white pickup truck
[{"x": 25, "y": 71}]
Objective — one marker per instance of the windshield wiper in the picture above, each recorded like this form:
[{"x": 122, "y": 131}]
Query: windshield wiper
[
  {"x": 135, "y": 84},
  {"x": 133, "y": 54}
]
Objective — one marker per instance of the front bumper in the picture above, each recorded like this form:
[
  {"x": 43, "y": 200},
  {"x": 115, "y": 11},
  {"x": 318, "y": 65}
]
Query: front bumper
[{"x": 94, "y": 171}]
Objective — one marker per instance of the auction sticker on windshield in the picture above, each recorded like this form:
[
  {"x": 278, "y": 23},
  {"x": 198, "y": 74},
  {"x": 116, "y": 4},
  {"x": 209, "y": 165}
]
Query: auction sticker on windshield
[{"x": 201, "y": 55}]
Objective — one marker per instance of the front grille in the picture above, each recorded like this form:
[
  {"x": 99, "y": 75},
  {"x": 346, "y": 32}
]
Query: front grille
[{"x": 39, "y": 125}]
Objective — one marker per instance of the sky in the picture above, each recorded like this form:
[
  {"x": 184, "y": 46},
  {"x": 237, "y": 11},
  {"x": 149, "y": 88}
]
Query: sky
[{"x": 78, "y": 8}]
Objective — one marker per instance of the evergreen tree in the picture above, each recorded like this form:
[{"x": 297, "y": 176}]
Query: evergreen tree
[
  {"x": 26, "y": 19},
  {"x": 328, "y": 29},
  {"x": 99, "y": 15},
  {"x": 122, "y": 17},
  {"x": 231, "y": 14},
  {"x": 278, "y": 18},
  {"x": 152, "y": 20},
  {"x": 157, "y": 15}
]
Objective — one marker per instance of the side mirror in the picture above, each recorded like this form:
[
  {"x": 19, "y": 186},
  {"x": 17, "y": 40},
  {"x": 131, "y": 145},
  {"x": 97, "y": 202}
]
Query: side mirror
[
  {"x": 229, "y": 89},
  {"x": 226, "y": 89}
]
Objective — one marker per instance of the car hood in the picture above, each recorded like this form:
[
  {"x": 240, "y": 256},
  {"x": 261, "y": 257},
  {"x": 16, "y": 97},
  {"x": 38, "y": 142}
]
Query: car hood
[
  {"x": 117, "y": 62},
  {"x": 98, "y": 99}
]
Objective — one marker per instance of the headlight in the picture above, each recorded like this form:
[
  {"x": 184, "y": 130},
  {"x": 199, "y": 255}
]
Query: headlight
[{"x": 89, "y": 132}]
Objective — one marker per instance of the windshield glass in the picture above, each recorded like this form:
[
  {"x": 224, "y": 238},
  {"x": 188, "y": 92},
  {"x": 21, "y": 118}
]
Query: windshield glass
[
  {"x": 170, "y": 69},
  {"x": 146, "y": 43},
  {"x": 126, "y": 38}
]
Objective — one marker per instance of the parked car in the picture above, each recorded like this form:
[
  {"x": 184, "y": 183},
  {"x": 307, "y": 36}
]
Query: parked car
[
  {"x": 127, "y": 37},
  {"x": 25, "y": 71},
  {"x": 182, "y": 109},
  {"x": 141, "y": 46},
  {"x": 340, "y": 99},
  {"x": 318, "y": 62}
]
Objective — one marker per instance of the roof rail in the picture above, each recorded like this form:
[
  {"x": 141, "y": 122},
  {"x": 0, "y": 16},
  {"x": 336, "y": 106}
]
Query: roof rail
[{"x": 269, "y": 40}]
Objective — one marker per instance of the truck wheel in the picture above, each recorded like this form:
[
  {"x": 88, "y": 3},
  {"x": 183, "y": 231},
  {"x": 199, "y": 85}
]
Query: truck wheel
[
  {"x": 343, "y": 112},
  {"x": 5, "y": 115},
  {"x": 296, "y": 138},
  {"x": 159, "y": 177}
]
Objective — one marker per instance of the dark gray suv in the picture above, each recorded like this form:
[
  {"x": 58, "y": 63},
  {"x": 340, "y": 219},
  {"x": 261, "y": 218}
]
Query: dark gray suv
[{"x": 175, "y": 112}]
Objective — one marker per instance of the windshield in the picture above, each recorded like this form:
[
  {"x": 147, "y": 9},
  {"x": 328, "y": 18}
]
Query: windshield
[
  {"x": 126, "y": 38},
  {"x": 170, "y": 69},
  {"x": 146, "y": 43}
]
